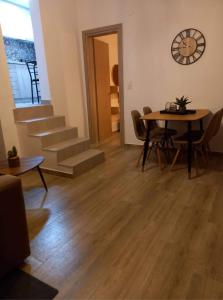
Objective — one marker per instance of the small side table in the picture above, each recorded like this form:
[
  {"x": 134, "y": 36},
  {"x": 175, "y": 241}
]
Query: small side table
[{"x": 26, "y": 164}]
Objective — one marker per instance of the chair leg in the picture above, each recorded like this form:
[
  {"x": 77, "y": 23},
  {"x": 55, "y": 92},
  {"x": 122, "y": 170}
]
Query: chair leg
[
  {"x": 168, "y": 149},
  {"x": 140, "y": 156},
  {"x": 196, "y": 161},
  {"x": 204, "y": 157},
  {"x": 172, "y": 143},
  {"x": 175, "y": 158},
  {"x": 149, "y": 152},
  {"x": 209, "y": 153},
  {"x": 158, "y": 156}
]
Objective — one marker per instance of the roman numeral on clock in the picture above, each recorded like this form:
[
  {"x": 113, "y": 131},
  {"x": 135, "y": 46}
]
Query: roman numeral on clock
[
  {"x": 181, "y": 59},
  {"x": 188, "y": 33},
  {"x": 181, "y": 36},
  {"x": 175, "y": 48},
  {"x": 194, "y": 58},
  {"x": 199, "y": 38},
  {"x": 198, "y": 51},
  {"x": 176, "y": 55},
  {"x": 187, "y": 60}
]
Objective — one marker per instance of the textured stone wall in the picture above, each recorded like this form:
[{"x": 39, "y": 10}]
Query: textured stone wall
[{"x": 19, "y": 50}]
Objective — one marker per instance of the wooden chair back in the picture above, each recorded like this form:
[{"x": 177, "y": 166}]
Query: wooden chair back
[
  {"x": 139, "y": 126},
  {"x": 213, "y": 127},
  {"x": 151, "y": 124}
]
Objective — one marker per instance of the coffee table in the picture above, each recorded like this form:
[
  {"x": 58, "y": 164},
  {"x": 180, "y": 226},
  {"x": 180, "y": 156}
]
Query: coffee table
[{"x": 26, "y": 164}]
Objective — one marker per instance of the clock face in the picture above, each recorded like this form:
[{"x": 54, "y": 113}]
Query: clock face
[{"x": 188, "y": 46}]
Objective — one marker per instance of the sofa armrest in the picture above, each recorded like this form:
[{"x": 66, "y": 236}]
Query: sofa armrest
[{"x": 14, "y": 238}]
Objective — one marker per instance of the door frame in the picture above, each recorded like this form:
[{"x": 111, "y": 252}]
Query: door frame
[{"x": 87, "y": 37}]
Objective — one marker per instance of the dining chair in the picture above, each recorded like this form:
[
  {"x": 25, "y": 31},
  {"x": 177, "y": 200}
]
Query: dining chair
[
  {"x": 166, "y": 132},
  {"x": 140, "y": 133},
  {"x": 200, "y": 142}
]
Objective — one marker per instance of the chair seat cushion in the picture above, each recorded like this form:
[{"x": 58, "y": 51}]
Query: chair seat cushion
[
  {"x": 158, "y": 133},
  {"x": 170, "y": 132},
  {"x": 195, "y": 136}
]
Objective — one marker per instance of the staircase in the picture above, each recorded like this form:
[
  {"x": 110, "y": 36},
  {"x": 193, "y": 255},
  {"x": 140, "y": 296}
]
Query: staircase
[{"x": 43, "y": 133}]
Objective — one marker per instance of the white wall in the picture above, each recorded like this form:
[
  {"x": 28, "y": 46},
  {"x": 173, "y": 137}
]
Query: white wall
[
  {"x": 151, "y": 76},
  {"x": 2, "y": 145},
  {"x": 40, "y": 50},
  {"x": 6, "y": 102},
  {"x": 62, "y": 60}
]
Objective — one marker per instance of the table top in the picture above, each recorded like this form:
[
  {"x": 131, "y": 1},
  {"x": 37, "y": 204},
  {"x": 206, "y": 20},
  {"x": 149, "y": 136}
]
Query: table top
[
  {"x": 200, "y": 114},
  {"x": 26, "y": 164}
]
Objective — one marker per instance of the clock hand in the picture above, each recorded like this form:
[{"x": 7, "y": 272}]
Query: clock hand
[{"x": 187, "y": 46}]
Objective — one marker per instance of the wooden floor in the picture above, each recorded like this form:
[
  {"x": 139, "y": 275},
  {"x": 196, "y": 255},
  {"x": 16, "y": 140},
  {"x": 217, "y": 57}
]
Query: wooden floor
[{"x": 117, "y": 233}]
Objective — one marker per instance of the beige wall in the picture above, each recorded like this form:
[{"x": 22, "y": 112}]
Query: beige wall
[
  {"x": 6, "y": 102},
  {"x": 40, "y": 50},
  {"x": 151, "y": 76},
  {"x": 2, "y": 145},
  {"x": 62, "y": 60}
]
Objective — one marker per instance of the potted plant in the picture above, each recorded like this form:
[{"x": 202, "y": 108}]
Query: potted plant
[
  {"x": 182, "y": 103},
  {"x": 13, "y": 158}
]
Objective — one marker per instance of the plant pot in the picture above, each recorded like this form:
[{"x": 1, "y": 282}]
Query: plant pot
[
  {"x": 14, "y": 162},
  {"x": 182, "y": 108}
]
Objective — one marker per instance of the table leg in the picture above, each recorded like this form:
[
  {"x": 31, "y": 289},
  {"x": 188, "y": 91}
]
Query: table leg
[
  {"x": 42, "y": 178},
  {"x": 165, "y": 134},
  {"x": 189, "y": 159},
  {"x": 166, "y": 125},
  {"x": 167, "y": 141},
  {"x": 146, "y": 147}
]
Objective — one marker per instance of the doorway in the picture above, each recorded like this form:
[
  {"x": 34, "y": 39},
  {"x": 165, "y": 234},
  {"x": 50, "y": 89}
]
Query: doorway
[{"x": 104, "y": 83}]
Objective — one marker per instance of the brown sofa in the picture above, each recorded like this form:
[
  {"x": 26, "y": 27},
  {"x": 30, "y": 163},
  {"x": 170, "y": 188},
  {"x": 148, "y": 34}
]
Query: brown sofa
[{"x": 14, "y": 240}]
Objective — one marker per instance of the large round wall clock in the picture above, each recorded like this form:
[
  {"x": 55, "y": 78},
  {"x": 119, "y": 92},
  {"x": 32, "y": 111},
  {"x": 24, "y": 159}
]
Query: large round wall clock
[{"x": 188, "y": 46}]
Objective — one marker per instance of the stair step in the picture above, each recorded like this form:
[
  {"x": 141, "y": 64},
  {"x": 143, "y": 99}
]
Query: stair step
[
  {"x": 65, "y": 144},
  {"x": 32, "y": 112},
  {"x": 69, "y": 148},
  {"x": 43, "y": 124},
  {"x": 83, "y": 161},
  {"x": 57, "y": 170},
  {"x": 57, "y": 135}
]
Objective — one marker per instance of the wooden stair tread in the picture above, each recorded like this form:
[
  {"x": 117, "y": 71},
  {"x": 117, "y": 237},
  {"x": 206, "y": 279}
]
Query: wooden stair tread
[
  {"x": 65, "y": 144},
  {"x": 57, "y": 171},
  {"x": 65, "y": 153},
  {"x": 33, "y": 106},
  {"x": 51, "y": 131},
  {"x": 82, "y": 157},
  {"x": 38, "y": 119}
]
